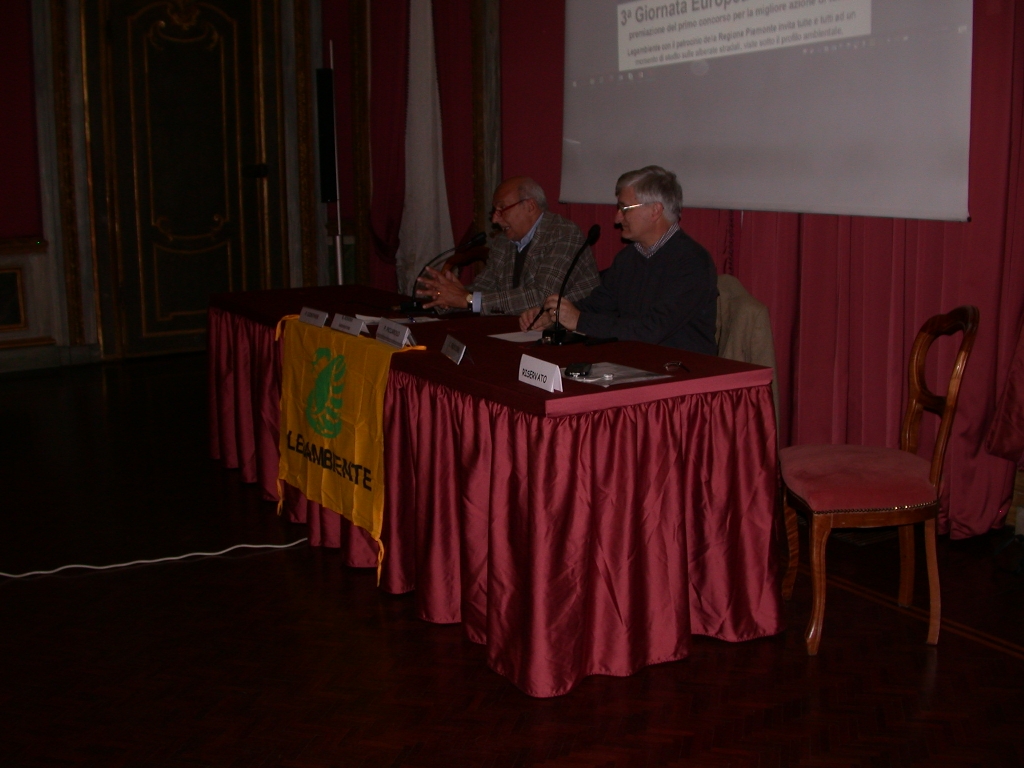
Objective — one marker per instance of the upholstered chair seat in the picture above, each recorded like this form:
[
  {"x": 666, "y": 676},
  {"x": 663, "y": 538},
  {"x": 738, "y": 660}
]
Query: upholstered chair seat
[{"x": 856, "y": 478}]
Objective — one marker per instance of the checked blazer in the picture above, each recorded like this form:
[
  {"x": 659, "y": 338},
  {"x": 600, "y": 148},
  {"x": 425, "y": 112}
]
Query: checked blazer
[{"x": 554, "y": 244}]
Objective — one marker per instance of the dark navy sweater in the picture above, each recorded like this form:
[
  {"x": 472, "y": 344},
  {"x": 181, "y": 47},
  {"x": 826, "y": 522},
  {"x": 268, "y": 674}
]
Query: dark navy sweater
[{"x": 669, "y": 299}]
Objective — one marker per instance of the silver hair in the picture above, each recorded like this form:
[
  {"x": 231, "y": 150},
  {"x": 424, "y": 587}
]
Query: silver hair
[
  {"x": 530, "y": 190},
  {"x": 653, "y": 184}
]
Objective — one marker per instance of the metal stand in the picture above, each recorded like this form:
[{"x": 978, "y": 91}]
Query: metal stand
[{"x": 558, "y": 335}]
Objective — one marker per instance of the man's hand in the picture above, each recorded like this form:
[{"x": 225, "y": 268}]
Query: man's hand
[
  {"x": 444, "y": 290},
  {"x": 529, "y": 321},
  {"x": 568, "y": 316}
]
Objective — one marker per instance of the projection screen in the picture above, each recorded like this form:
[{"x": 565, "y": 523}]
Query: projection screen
[{"x": 819, "y": 106}]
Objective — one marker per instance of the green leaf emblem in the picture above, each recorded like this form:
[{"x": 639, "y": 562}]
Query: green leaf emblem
[{"x": 323, "y": 406}]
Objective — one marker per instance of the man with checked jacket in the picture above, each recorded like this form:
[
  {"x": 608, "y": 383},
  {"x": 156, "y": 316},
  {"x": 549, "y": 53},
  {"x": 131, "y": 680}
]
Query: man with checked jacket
[{"x": 527, "y": 260}]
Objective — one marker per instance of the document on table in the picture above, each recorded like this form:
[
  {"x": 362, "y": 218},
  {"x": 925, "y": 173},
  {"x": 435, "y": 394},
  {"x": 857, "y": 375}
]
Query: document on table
[
  {"x": 371, "y": 320},
  {"x": 606, "y": 374},
  {"x": 518, "y": 337}
]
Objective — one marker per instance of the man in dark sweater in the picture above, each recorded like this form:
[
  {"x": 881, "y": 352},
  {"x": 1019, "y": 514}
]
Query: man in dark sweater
[{"x": 661, "y": 289}]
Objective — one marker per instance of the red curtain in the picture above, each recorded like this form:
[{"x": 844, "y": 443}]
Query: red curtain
[
  {"x": 389, "y": 77},
  {"x": 453, "y": 49},
  {"x": 1006, "y": 436},
  {"x": 21, "y": 213},
  {"x": 846, "y": 294}
]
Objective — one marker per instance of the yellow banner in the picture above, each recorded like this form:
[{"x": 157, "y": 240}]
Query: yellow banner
[{"x": 332, "y": 420}]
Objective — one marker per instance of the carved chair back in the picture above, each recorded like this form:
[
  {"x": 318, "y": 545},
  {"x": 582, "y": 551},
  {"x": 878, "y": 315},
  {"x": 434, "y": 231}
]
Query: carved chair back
[{"x": 960, "y": 320}]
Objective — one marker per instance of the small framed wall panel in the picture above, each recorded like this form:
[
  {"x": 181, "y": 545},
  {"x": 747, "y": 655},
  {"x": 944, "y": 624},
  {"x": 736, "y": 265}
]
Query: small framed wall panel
[
  {"x": 26, "y": 304},
  {"x": 12, "y": 300}
]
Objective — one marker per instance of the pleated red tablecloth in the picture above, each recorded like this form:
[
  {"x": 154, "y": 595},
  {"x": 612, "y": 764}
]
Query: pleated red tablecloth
[{"x": 586, "y": 532}]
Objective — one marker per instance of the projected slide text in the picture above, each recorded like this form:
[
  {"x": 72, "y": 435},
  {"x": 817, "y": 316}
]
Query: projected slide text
[{"x": 655, "y": 34}]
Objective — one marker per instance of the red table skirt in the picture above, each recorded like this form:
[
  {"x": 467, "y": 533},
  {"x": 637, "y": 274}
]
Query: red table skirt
[
  {"x": 587, "y": 544},
  {"x": 245, "y": 413}
]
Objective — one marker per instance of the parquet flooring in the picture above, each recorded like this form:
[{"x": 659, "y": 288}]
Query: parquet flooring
[{"x": 285, "y": 658}]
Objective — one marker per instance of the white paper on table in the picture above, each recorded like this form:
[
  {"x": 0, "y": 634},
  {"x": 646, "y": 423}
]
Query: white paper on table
[
  {"x": 371, "y": 320},
  {"x": 519, "y": 337}
]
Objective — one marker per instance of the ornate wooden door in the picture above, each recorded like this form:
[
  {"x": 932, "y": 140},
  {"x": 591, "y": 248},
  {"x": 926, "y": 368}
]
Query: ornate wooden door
[{"x": 186, "y": 147}]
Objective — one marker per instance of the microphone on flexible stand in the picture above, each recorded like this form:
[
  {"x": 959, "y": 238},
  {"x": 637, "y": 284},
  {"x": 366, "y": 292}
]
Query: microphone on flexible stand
[
  {"x": 416, "y": 304},
  {"x": 557, "y": 335}
]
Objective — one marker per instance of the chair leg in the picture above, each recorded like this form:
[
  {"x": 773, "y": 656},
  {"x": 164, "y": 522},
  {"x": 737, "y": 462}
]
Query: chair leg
[
  {"x": 906, "y": 593},
  {"x": 821, "y": 527},
  {"x": 935, "y": 597},
  {"x": 793, "y": 543}
]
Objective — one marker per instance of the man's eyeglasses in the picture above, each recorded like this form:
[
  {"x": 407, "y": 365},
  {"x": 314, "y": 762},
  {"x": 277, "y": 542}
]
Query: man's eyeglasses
[
  {"x": 623, "y": 208},
  {"x": 501, "y": 211}
]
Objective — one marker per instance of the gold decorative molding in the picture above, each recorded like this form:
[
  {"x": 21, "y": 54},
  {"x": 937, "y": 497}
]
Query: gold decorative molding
[
  {"x": 164, "y": 315},
  {"x": 19, "y": 289},
  {"x": 156, "y": 33},
  {"x": 225, "y": 48},
  {"x": 282, "y": 197},
  {"x": 113, "y": 347},
  {"x": 163, "y": 226},
  {"x": 15, "y": 246},
  {"x": 97, "y": 296},
  {"x": 183, "y": 13},
  {"x": 37, "y": 341},
  {"x": 128, "y": 45},
  {"x": 262, "y": 190},
  {"x": 66, "y": 172}
]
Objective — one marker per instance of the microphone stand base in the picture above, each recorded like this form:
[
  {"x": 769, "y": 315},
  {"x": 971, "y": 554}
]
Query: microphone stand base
[
  {"x": 415, "y": 305},
  {"x": 558, "y": 336}
]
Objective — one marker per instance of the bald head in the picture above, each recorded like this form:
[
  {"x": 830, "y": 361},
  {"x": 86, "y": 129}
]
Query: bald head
[
  {"x": 523, "y": 188},
  {"x": 518, "y": 202}
]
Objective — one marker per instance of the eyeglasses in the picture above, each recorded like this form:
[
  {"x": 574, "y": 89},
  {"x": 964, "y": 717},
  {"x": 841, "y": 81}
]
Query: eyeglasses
[
  {"x": 623, "y": 208},
  {"x": 501, "y": 211}
]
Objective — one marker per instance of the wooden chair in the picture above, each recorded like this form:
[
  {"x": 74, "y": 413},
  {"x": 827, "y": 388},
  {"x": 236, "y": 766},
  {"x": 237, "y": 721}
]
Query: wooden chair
[{"x": 852, "y": 486}]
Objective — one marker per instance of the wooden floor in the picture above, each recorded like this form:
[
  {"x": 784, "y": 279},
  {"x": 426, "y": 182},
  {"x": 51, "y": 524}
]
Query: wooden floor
[{"x": 286, "y": 658}]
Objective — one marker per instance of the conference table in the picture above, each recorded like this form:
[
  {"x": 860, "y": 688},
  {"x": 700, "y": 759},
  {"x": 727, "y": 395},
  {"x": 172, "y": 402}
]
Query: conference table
[{"x": 589, "y": 531}]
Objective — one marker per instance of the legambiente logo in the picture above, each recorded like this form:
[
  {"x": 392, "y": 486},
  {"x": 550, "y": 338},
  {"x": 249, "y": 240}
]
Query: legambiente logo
[{"x": 323, "y": 406}]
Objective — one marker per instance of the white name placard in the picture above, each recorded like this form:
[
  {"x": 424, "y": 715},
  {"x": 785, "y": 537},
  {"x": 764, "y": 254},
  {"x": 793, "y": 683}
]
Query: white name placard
[
  {"x": 453, "y": 349},
  {"x": 540, "y": 373},
  {"x": 347, "y": 324},
  {"x": 313, "y": 317},
  {"x": 394, "y": 334}
]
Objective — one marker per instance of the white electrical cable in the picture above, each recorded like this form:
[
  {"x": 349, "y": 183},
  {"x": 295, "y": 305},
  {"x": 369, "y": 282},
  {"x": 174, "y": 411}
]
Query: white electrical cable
[{"x": 148, "y": 562}]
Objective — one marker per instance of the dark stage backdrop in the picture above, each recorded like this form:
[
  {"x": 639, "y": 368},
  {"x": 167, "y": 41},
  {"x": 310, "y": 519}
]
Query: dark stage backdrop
[{"x": 846, "y": 294}]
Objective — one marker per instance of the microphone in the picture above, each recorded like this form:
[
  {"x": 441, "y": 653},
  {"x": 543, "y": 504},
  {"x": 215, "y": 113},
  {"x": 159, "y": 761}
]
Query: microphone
[
  {"x": 556, "y": 335},
  {"x": 417, "y": 304}
]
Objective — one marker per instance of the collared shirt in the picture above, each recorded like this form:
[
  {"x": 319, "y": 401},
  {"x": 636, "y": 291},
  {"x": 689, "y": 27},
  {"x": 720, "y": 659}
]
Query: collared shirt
[
  {"x": 528, "y": 237},
  {"x": 648, "y": 252}
]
